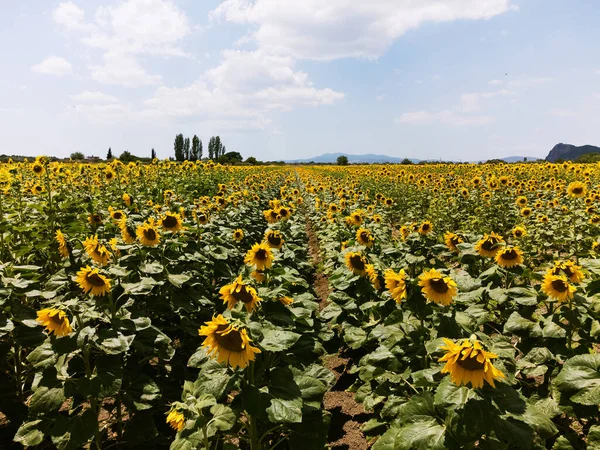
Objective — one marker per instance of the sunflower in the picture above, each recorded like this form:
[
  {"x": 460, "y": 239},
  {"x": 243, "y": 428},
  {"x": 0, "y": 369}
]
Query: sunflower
[
  {"x": 287, "y": 301},
  {"x": 374, "y": 277},
  {"x": 284, "y": 212},
  {"x": 509, "y": 257},
  {"x": 96, "y": 251},
  {"x": 55, "y": 321},
  {"x": 557, "y": 287},
  {"x": 127, "y": 231},
  {"x": 437, "y": 288},
  {"x": 467, "y": 362},
  {"x": 576, "y": 189},
  {"x": 238, "y": 291},
  {"x": 519, "y": 231},
  {"x": 271, "y": 215},
  {"x": 258, "y": 275},
  {"x": 274, "y": 239},
  {"x": 571, "y": 271},
  {"x": 357, "y": 218},
  {"x": 364, "y": 237},
  {"x": 238, "y": 235},
  {"x": 148, "y": 234},
  {"x": 488, "y": 245},
  {"x": 452, "y": 240},
  {"x": 109, "y": 174},
  {"x": 90, "y": 280},
  {"x": 176, "y": 420},
  {"x": 395, "y": 283},
  {"x": 117, "y": 215},
  {"x": 171, "y": 222},
  {"x": 63, "y": 245},
  {"x": 357, "y": 263},
  {"x": 525, "y": 212},
  {"x": 595, "y": 219},
  {"x": 227, "y": 342},
  {"x": 37, "y": 168},
  {"x": 95, "y": 219},
  {"x": 259, "y": 255},
  {"x": 127, "y": 199},
  {"x": 202, "y": 217}
]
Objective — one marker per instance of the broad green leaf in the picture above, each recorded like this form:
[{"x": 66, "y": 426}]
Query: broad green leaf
[
  {"x": 42, "y": 357},
  {"x": 223, "y": 419},
  {"x": 46, "y": 399},
  {"x": 29, "y": 434},
  {"x": 278, "y": 340},
  {"x": 423, "y": 434},
  {"x": 70, "y": 433},
  {"x": 580, "y": 375},
  {"x": 593, "y": 438},
  {"x": 285, "y": 411},
  {"x": 179, "y": 279}
]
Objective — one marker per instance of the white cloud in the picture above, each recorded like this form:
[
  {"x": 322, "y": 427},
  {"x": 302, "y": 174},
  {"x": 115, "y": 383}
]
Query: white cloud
[
  {"x": 71, "y": 16},
  {"x": 445, "y": 117},
  {"x": 562, "y": 112},
  {"x": 120, "y": 69},
  {"x": 242, "y": 89},
  {"x": 53, "y": 65},
  {"x": 94, "y": 97},
  {"x": 325, "y": 30},
  {"x": 472, "y": 102},
  {"x": 495, "y": 82}
]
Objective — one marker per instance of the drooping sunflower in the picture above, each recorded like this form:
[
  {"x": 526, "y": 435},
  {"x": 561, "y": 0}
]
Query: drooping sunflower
[
  {"x": 258, "y": 275},
  {"x": 572, "y": 271},
  {"x": 357, "y": 263},
  {"x": 148, "y": 234},
  {"x": 596, "y": 247},
  {"x": 55, "y": 321},
  {"x": 557, "y": 287},
  {"x": 364, "y": 237},
  {"x": 91, "y": 280},
  {"x": 128, "y": 232},
  {"x": 376, "y": 280},
  {"x": 96, "y": 251},
  {"x": 63, "y": 245},
  {"x": 468, "y": 363},
  {"x": 287, "y": 301},
  {"x": 274, "y": 239},
  {"x": 509, "y": 257},
  {"x": 94, "y": 219},
  {"x": 227, "y": 342},
  {"x": 171, "y": 222},
  {"x": 489, "y": 245},
  {"x": 519, "y": 232},
  {"x": 576, "y": 189},
  {"x": 176, "y": 420},
  {"x": 452, "y": 240},
  {"x": 260, "y": 256},
  {"x": 437, "y": 288},
  {"x": 395, "y": 283},
  {"x": 238, "y": 235},
  {"x": 238, "y": 291}
]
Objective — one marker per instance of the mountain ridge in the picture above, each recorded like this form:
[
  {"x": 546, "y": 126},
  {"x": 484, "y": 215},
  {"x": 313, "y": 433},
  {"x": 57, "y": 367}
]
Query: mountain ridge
[
  {"x": 569, "y": 152},
  {"x": 373, "y": 158}
]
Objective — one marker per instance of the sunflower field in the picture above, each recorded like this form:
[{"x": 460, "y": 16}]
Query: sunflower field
[{"x": 199, "y": 306}]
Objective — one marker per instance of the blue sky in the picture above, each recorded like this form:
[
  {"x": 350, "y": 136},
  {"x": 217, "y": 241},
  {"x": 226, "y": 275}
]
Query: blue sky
[{"x": 283, "y": 79}]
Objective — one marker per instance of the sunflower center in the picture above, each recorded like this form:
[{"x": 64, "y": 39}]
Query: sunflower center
[
  {"x": 425, "y": 227},
  {"x": 274, "y": 240},
  {"x": 559, "y": 285},
  {"x": 577, "y": 190},
  {"x": 95, "y": 280},
  {"x": 261, "y": 254},
  {"x": 357, "y": 262},
  {"x": 243, "y": 295},
  {"x": 150, "y": 234},
  {"x": 273, "y": 215},
  {"x": 96, "y": 218},
  {"x": 518, "y": 233},
  {"x": 117, "y": 215},
  {"x": 364, "y": 236},
  {"x": 488, "y": 244},
  {"x": 470, "y": 364},
  {"x": 510, "y": 255},
  {"x": 57, "y": 319},
  {"x": 170, "y": 222},
  {"x": 37, "y": 169},
  {"x": 201, "y": 217},
  {"x": 438, "y": 285},
  {"x": 231, "y": 341}
]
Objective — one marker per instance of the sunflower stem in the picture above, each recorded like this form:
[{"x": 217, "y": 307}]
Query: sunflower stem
[
  {"x": 18, "y": 371},
  {"x": 93, "y": 400},
  {"x": 205, "y": 436}
]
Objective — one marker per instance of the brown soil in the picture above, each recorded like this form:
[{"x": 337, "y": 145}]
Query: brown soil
[{"x": 321, "y": 284}]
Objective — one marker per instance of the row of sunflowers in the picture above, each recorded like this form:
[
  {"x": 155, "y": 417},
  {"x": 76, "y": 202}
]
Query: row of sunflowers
[{"x": 172, "y": 305}]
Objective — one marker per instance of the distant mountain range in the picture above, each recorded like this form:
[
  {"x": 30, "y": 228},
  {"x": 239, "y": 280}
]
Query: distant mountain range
[
  {"x": 371, "y": 158},
  {"x": 568, "y": 152}
]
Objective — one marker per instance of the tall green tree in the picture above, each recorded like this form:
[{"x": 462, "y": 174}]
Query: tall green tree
[
  {"x": 200, "y": 149},
  {"x": 194, "y": 150},
  {"x": 179, "y": 156},
  {"x": 217, "y": 151},
  {"x": 109, "y": 155},
  {"x": 153, "y": 154},
  {"x": 211, "y": 148},
  {"x": 186, "y": 148}
]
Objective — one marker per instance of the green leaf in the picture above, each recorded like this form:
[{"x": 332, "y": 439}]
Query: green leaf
[
  {"x": 285, "y": 411},
  {"x": 355, "y": 337},
  {"x": 581, "y": 375},
  {"x": 152, "y": 268},
  {"x": 518, "y": 325},
  {"x": 179, "y": 279},
  {"x": 423, "y": 434},
  {"x": 69, "y": 433},
  {"x": 46, "y": 399},
  {"x": 113, "y": 342},
  {"x": 278, "y": 340},
  {"x": 29, "y": 434},
  {"x": 562, "y": 443},
  {"x": 223, "y": 419},
  {"x": 42, "y": 357},
  {"x": 140, "y": 428},
  {"x": 593, "y": 438}
]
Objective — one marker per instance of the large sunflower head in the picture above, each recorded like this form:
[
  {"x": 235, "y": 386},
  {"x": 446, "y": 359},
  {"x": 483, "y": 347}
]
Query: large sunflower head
[
  {"x": 260, "y": 256},
  {"x": 148, "y": 234},
  {"x": 452, "y": 240},
  {"x": 238, "y": 291},
  {"x": 489, "y": 245},
  {"x": 91, "y": 280},
  {"x": 437, "y": 288},
  {"x": 274, "y": 239},
  {"x": 468, "y": 363},
  {"x": 227, "y": 342},
  {"x": 509, "y": 257},
  {"x": 576, "y": 189},
  {"x": 96, "y": 251},
  {"x": 357, "y": 263},
  {"x": 364, "y": 237},
  {"x": 572, "y": 271},
  {"x": 55, "y": 321},
  {"x": 395, "y": 283},
  {"x": 557, "y": 287},
  {"x": 171, "y": 222}
]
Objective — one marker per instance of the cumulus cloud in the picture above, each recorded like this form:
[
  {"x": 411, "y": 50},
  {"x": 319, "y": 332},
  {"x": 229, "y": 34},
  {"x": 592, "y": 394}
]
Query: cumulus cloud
[
  {"x": 53, "y": 65},
  {"x": 120, "y": 69},
  {"x": 71, "y": 16},
  {"x": 94, "y": 97},
  {"x": 325, "y": 30}
]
